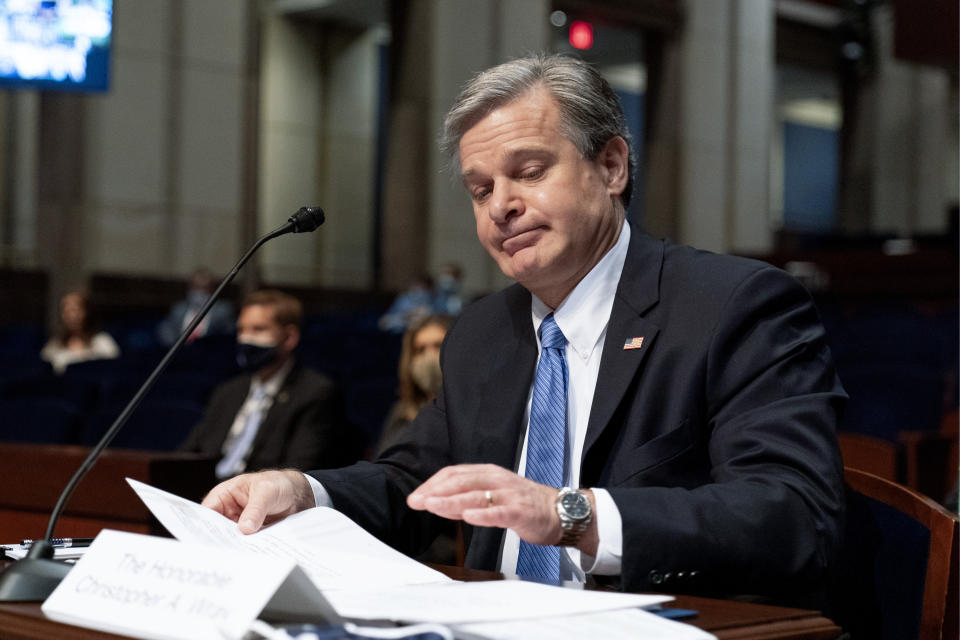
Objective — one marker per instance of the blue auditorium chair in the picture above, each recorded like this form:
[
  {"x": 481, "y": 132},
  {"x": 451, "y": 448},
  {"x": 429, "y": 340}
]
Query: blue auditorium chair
[
  {"x": 886, "y": 398},
  {"x": 368, "y": 401},
  {"x": 182, "y": 386},
  {"x": 153, "y": 426},
  {"x": 115, "y": 380},
  {"x": 40, "y": 420}
]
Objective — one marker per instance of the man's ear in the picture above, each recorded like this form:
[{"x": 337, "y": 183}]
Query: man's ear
[
  {"x": 292, "y": 338},
  {"x": 614, "y": 160}
]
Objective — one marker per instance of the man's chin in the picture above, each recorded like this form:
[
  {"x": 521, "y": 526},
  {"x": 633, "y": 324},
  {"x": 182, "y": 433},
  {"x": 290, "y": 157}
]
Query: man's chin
[{"x": 521, "y": 266}]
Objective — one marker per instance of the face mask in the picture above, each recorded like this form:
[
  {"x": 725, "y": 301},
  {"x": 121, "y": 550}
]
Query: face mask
[
  {"x": 252, "y": 356},
  {"x": 425, "y": 371},
  {"x": 448, "y": 284}
]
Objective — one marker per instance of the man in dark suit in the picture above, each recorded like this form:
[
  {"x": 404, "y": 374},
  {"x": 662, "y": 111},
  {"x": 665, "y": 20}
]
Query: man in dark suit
[
  {"x": 695, "y": 395},
  {"x": 278, "y": 413}
]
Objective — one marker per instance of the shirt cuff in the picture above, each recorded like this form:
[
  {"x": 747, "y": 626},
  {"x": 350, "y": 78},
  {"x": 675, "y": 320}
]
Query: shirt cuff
[
  {"x": 610, "y": 532},
  {"x": 320, "y": 495}
]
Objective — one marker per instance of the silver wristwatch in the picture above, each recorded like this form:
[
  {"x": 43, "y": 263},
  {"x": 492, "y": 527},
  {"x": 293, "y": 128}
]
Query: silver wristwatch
[{"x": 575, "y": 513}]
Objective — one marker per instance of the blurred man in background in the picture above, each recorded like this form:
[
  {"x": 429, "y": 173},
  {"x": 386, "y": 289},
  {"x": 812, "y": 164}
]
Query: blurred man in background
[
  {"x": 219, "y": 321},
  {"x": 277, "y": 413}
]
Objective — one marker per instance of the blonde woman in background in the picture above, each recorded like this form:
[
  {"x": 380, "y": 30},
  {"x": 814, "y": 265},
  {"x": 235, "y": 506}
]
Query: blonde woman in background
[
  {"x": 419, "y": 381},
  {"x": 418, "y": 374}
]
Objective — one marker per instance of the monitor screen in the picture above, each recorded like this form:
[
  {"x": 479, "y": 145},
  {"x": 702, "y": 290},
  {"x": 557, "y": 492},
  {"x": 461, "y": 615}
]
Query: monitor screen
[{"x": 56, "y": 44}]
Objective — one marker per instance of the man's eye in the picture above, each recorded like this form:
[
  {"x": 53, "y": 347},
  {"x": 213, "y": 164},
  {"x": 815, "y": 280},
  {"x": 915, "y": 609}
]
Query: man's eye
[
  {"x": 532, "y": 173},
  {"x": 480, "y": 194}
]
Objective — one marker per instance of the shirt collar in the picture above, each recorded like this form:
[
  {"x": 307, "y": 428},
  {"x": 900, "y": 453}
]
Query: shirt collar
[
  {"x": 271, "y": 386},
  {"x": 584, "y": 313}
]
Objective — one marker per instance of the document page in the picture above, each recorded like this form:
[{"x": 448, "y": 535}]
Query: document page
[
  {"x": 478, "y": 601},
  {"x": 332, "y": 549},
  {"x": 623, "y": 624}
]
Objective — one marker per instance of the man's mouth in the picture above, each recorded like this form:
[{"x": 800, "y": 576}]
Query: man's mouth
[{"x": 521, "y": 240}]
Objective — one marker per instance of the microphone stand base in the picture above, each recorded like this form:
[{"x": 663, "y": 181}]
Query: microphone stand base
[{"x": 32, "y": 579}]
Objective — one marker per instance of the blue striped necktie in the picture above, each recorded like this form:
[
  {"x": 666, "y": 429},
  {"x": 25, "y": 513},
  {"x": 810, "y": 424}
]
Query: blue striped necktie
[{"x": 546, "y": 439}]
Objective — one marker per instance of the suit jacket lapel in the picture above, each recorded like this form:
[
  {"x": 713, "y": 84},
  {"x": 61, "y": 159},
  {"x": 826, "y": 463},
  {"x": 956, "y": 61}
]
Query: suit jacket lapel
[
  {"x": 499, "y": 425},
  {"x": 637, "y": 291},
  {"x": 275, "y": 414},
  {"x": 507, "y": 386}
]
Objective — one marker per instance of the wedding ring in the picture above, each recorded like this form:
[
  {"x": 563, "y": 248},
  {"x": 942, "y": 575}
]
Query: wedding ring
[{"x": 489, "y": 496}]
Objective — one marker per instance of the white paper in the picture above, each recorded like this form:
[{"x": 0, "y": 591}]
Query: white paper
[
  {"x": 333, "y": 550},
  {"x": 158, "y": 589},
  {"x": 475, "y": 601},
  {"x": 365, "y": 579},
  {"x": 624, "y": 624}
]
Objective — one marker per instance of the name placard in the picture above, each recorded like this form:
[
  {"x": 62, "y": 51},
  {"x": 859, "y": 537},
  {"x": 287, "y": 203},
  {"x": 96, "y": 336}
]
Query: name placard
[{"x": 159, "y": 588}]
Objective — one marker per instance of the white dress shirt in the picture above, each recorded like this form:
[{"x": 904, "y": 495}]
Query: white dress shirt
[{"x": 582, "y": 317}]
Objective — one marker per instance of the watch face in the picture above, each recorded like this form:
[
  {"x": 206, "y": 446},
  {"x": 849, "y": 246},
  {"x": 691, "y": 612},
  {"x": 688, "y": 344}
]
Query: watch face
[{"x": 576, "y": 505}]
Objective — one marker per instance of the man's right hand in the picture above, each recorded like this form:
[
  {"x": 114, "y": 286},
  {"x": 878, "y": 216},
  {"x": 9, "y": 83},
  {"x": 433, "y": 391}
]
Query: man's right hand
[{"x": 253, "y": 500}]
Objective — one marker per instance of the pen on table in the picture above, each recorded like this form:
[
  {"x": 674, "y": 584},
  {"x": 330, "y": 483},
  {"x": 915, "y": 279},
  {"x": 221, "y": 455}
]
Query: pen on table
[{"x": 62, "y": 543}]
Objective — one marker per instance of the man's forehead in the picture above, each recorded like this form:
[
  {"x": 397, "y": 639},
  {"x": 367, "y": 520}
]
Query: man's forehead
[
  {"x": 527, "y": 126},
  {"x": 258, "y": 313}
]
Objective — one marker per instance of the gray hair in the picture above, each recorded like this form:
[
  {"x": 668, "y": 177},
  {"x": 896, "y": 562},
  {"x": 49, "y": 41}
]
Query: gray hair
[{"x": 590, "y": 112}]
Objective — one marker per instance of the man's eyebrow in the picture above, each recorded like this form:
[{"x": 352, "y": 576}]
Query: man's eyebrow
[{"x": 530, "y": 152}]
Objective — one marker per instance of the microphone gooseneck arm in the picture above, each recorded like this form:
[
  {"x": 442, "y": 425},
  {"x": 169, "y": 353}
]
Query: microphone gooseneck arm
[{"x": 306, "y": 219}]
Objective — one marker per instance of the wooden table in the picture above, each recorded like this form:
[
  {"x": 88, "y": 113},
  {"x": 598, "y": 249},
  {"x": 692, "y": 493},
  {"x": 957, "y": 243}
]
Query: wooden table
[{"x": 728, "y": 620}]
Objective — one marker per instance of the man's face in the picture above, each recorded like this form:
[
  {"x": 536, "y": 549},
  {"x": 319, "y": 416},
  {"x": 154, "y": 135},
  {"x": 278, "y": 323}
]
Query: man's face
[
  {"x": 257, "y": 324},
  {"x": 544, "y": 212}
]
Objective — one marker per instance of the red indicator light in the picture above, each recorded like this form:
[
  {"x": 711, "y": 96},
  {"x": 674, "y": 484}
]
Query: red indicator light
[{"x": 581, "y": 34}]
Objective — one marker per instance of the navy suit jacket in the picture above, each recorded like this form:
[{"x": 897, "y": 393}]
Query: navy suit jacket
[{"x": 715, "y": 438}]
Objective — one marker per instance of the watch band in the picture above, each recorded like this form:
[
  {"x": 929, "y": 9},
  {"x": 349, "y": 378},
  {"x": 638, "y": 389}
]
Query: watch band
[{"x": 572, "y": 535}]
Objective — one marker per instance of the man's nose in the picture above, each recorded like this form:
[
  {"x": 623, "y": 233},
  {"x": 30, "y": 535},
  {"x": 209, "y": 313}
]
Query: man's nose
[{"x": 505, "y": 203}]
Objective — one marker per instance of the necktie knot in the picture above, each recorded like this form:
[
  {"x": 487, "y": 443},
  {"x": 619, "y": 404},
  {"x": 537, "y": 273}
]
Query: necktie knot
[{"x": 550, "y": 335}]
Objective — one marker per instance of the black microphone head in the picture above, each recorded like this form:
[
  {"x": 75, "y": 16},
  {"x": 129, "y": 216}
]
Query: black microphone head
[{"x": 306, "y": 219}]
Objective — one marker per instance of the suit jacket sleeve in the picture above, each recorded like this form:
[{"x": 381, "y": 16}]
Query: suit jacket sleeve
[
  {"x": 373, "y": 494},
  {"x": 767, "y": 518}
]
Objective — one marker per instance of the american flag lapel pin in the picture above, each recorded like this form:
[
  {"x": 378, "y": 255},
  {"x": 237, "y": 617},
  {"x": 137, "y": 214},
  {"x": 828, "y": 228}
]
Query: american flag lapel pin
[{"x": 633, "y": 343}]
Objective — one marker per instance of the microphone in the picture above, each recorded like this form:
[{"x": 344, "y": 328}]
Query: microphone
[
  {"x": 35, "y": 577},
  {"x": 306, "y": 219}
]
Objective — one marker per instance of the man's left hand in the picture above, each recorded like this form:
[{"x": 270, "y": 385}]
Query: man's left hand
[{"x": 486, "y": 495}]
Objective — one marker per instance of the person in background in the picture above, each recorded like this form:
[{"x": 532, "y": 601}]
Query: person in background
[
  {"x": 408, "y": 307},
  {"x": 77, "y": 338},
  {"x": 278, "y": 413},
  {"x": 446, "y": 292},
  {"x": 419, "y": 381},
  {"x": 219, "y": 321},
  {"x": 418, "y": 374}
]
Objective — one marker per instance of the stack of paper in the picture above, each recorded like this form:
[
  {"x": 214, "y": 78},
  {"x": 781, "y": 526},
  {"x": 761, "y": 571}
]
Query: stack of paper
[
  {"x": 365, "y": 579},
  {"x": 333, "y": 550}
]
